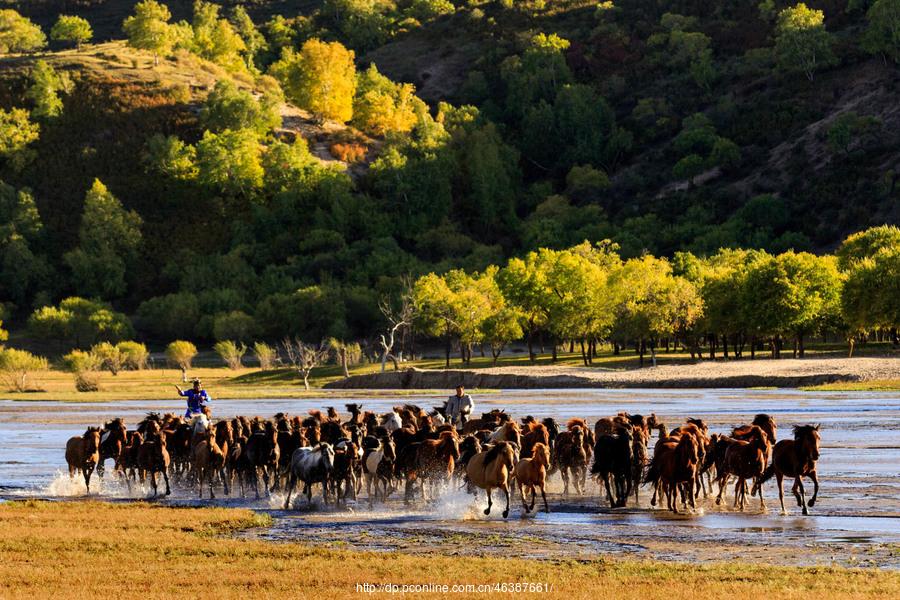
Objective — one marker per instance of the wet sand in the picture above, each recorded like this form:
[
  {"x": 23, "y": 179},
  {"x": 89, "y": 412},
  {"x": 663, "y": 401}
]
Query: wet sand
[
  {"x": 856, "y": 521},
  {"x": 744, "y": 373}
]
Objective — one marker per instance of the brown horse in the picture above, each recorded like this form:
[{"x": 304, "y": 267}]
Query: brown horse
[
  {"x": 262, "y": 454},
  {"x": 571, "y": 459},
  {"x": 674, "y": 465},
  {"x": 613, "y": 459},
  {"x": 112, "y": 444},
  {"x": 427, "y": 461},
  {"x": 83, "y": 454},
  {"x": 745, "y": 459},
  {"x": 153, "y": 458},
  {"x": 531, "y": 473},
  {"x": 208, "y": 458},
  {"x": 796, "y": 458},
  {"x": 536, "y": 434},
  {"x": 491, "y": 469}
]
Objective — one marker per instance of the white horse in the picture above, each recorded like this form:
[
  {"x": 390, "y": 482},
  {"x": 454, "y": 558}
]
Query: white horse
[
  {"x": 311, "y": 465},
  {"x": 378, "y": 468},
  {"x": 391, "y": 422}
]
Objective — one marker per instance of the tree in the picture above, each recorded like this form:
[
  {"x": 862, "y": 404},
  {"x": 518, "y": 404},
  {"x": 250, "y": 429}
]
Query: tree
[
  {"x": 181, "y": 353},
  {"x": 500, "y": 328},
  {"x": 231, "y": 161},
  {"x": 17, "y": 365},
  {"x": 72, "y": 29},
  {"x": 215, "y": 39},
  {"x": 23, "y": 269},
  {"x": 45, "y": 88},
  {"x": 80, "y": 322},
  {"x": 320, "y": 78},
  {"x": 18, "y": 34},
  {"x": 882, "y": 36},
  {"x": 524, "y": 286},
  {"x": 134, "y": 355},
  {"x": 234, "y": 325},
  {"x": 231, "y": 353},
  {"x": 850, "y": 132},
  {"x": 83, "y": 365},
  {"x": 867, "y": 244},
  {"x": 17, "y": 132},
  {"x": 382, "y": 106},
  {"x": 110, "y": 357},
  {"x": 801, "y": 42},
  {"x": 399, "y": 319},
  {"x": 303, "y": 357},
  {"x": 149, "y": 29},
  {"x": 254, "y": 41},
  {"x": 228, "y": 107},
  {"x": 265, "y": 354},
  {"x": 169, "y": 156},
  {"x": 109, "y": 238},
  {"x": 436, "y": 310}
]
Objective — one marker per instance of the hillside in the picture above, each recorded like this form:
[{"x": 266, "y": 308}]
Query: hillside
[{"x": 664, "y": 129}]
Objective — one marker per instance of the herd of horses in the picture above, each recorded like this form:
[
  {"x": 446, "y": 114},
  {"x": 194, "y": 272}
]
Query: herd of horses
[{"x": 414, "y": 449}]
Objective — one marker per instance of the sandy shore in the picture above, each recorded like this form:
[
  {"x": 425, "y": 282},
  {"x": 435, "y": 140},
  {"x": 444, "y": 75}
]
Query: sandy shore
[{"x": 706, "y": 374}]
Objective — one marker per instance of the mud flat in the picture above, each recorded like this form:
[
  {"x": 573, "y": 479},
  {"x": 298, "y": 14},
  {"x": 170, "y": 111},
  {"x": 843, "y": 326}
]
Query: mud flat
[{"x": 784, "y": 373}]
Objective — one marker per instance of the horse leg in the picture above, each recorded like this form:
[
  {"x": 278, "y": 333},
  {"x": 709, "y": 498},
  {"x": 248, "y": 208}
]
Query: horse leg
[
  {"x": 795, "y": 492},
  {"x": 524, "y": 500},
  {"x": 802, "y": 495},
  {"x": 222, "y": 474},
  {"x": 153, "y": 482},
  {"x": 779, "y": 480},
  {"x": 608, "y": 491},
  {"x": 815, "y": 479},
  {"x": 564, "y": 472},
  {"x": 655, "y": 493},
  {"x": 292, "y": 481},
  {"x": 266, "y": 480},
  {"x": 722, "y": 480},
  {"x": 533, "y": 498},
  {"x": 487, "y": 511},
  {"x": 505, "y": 489},
  {"x": 544, "y": 496},
  {"x": 87, "y": 478},
  {"x": 209, "y": 481},
  {"x": 762, "y": 502}
]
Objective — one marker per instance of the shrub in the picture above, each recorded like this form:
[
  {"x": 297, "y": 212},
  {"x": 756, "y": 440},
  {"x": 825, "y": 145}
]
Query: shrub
[
  {"x": 231, "y": 353},
  {"x": 16, "y": 365},
  {"x": 265, "y": 354},
  {"x": 234, "y": 325},
  {"x": 135, "y": 355},
  {"x": 180, "y": 353},
  {"x": 83, "y": 365},
  {"x": 349, "y": 152},
  {"x": 111, "y": 357}
]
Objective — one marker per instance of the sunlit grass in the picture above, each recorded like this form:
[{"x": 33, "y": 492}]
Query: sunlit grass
[
  {"x": 875, "y": 385},
  {"x": 138, "y": 550}
]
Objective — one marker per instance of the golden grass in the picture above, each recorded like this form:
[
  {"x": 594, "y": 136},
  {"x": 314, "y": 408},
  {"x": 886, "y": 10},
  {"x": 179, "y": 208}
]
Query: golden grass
[
  {"x": 874, "y": 385},
  {"x": 138, "y": 550}
]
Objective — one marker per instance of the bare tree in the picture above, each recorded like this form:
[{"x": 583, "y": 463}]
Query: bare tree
[
  {"x": 398, "y": 318},
  {"x": 303, "y": 357}
]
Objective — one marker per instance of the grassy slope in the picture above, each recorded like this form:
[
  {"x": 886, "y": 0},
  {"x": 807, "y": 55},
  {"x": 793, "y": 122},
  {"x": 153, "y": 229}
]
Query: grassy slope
[
  {"x": 62, "y": 550},
  {"x": 252, "y": 383}
]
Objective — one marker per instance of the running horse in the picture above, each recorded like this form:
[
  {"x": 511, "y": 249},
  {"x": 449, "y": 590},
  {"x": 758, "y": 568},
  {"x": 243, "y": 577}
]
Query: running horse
[
  {"x": 796, "y": 458},
  {"x": 83, "y": 454},
  {"x": 491, "y": 469},
  {"x": 112, "y": 445}
]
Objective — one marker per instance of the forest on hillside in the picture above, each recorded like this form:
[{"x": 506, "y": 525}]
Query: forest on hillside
[{"x": 452, "y": 137}]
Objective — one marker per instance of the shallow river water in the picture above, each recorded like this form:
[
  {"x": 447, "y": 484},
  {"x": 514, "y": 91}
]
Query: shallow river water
[{"x": 855, "y": 522}]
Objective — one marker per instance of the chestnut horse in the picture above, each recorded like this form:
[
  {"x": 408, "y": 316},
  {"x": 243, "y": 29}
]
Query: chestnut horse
[
  {"x": 537, "y": 434},
  {"x": 531, "y": 473},
  {"x": 83, "y": 454},
  {"x": 208, "y": 458},
  {"x": 745, "y": 459},
  {"x": 428, "y": 460},
  {"x": 491, "y": 469},
  {"x": 796, "y": 458},
  {"x": 112, "y": 444},
  {"x": 570, "y": 458},
  {"x": 153, "y": 458},
  {"x": 674, "y": 465}
]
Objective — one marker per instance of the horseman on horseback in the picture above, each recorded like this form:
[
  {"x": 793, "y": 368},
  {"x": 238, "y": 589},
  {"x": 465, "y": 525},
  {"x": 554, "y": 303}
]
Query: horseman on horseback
[
  {"x": 197, "y": 401},
  {"x": 459, "y": 407}
]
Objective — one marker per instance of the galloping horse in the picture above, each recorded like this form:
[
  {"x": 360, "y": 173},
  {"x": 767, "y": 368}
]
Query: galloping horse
[
  {"x": 531, "y": 473},
  {"x": 153, "y": 457},
  {"x": 796, "y": 458},
  {"x": 613, "y": 458},
  {"x": 310, "y": 465},
  {"x": 112, "y": 444},
  {"x": 745, "y": 459},
  {"x": 83, "y": 454},
  {"x": 674, "y": 465},
  {"x": 491, "y": 469}
]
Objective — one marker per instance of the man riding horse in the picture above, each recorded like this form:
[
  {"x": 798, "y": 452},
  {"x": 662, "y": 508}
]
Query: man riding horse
[
  {"x": 459, "y": 407},
  {"x": 197, "y": 400}
]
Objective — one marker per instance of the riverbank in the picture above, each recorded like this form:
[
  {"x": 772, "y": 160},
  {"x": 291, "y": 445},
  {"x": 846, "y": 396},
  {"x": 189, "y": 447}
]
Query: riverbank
[
  {"x": 140, "y": 550},
  {"x": 877, "y": 373}
]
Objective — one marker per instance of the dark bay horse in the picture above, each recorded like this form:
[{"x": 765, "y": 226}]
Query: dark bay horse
[
  {"x": 796, "y": 458},
  {"x": 83, "y": 454},
  {"x": 112, "y": 444}
]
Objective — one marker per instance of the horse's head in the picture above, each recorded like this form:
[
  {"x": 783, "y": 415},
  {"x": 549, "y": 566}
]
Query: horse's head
[
  {"x": 807, "y": 438},
  {"x": 687, "y": 449},
  {"x": 767, "y": 424},
  {"x": 577, "y": 435},
  {"x": 389, "y": 449},
  {"x": 327, "y": 453},
  {"x": 450, "y": 444},
  {"x": 541, "y": 454},
  {"x": 92, "y": 439},
  {"x": 700, "y": 424}
]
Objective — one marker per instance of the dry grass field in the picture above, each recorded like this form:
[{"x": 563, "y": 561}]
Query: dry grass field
[{"x": 138, "y": 550}]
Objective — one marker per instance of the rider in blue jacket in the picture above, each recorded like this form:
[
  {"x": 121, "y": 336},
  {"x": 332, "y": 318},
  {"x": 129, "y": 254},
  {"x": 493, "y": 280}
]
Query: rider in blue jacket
[{"x": 197, "y": 398}]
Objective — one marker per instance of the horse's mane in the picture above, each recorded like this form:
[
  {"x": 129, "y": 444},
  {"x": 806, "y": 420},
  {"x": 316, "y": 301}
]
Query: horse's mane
[
  {"x": 116, "y": 423},
  {"x": 495, "y": 451},
  {"x": 572, "y": 423},
  {"x": 512, "y": 425},
  {"x": 700, "y": 423},
  {"x": 317, "y": 415},
  {"x": 763, "y": 419},
  {"x": 535, "y": 426},
  {"x": 413, "y": 409},
  {"x": 90, "y": 431}
]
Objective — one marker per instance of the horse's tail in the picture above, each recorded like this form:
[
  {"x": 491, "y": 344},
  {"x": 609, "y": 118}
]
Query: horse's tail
[
  {"x": 768, "y": 473},
  {"x": 653, "y": 474}
]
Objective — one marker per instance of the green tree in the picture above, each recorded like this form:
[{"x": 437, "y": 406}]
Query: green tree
[
  {"x": 231, "y": 161},
  {"x": 171, "y": 316},
  {"x": 882, "y": 36},
  {"x": 228, "y": 107},
  {"x": 149, "y": 29},
  {"x": 110, "y": 356},
  {"x": 17, "y": 365},
  {"x": 254, "y": 41},
  {"x": 72, "y": 29},
  {"x": 134, "y": 355},
  {"x": 801, "y": 42},
  {"x": 181, "y": 354},
  {"x": 866, "y": 244},
  {"x": 382, "y": 106},
  {"x": 24, "y": 269},
  {"x": 17, "y": 132},
  {"x": 45, "y": 88},
  {"x": 169, "y": 156},
  {"x": 80, "y": 322},
  {"x": 109, "y": 238},
  {"x": 232, "y": 354},
  {"x": 321, "y": 78},
  {"x": 215, "y": 39},
  {"x": 18, "y": 34},
  {"x": 234, "y": 325}
]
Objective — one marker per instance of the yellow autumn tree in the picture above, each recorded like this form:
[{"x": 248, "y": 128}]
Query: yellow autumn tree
[{"x": 321, "y": 78}]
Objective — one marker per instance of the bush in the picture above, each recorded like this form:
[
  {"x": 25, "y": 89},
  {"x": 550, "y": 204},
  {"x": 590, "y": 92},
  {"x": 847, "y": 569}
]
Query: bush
[
  {"x": 135, "y": 355},
  {"x": 231, "y": 353},
  {"x": 349, "y": 152},
  {"x": 235, "y": 325},
  {"x": 16, "y": 365},
  {"x": 265, "y": 354},
  {"x": 110, "y": 357},
  {"x": 83, "y": 365},
  {"x": 180, "y": 353}
]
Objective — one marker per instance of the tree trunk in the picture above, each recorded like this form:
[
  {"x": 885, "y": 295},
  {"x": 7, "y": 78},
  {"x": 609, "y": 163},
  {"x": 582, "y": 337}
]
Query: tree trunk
[
  {"x": 183, "y": 374},
  {"x": 725, "y": 346},
  {"x": 555, "y": 343},
  {"x": 306, "y": 379},
  {"x": 531, "y": 340},
  {"x": 448, "y": 349},
  {"x": 344, "y": 366},
  {"x": 800, "y": 347},
  {"x": 616, "y": 349},
  {"x": 641, "y": 353}
]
